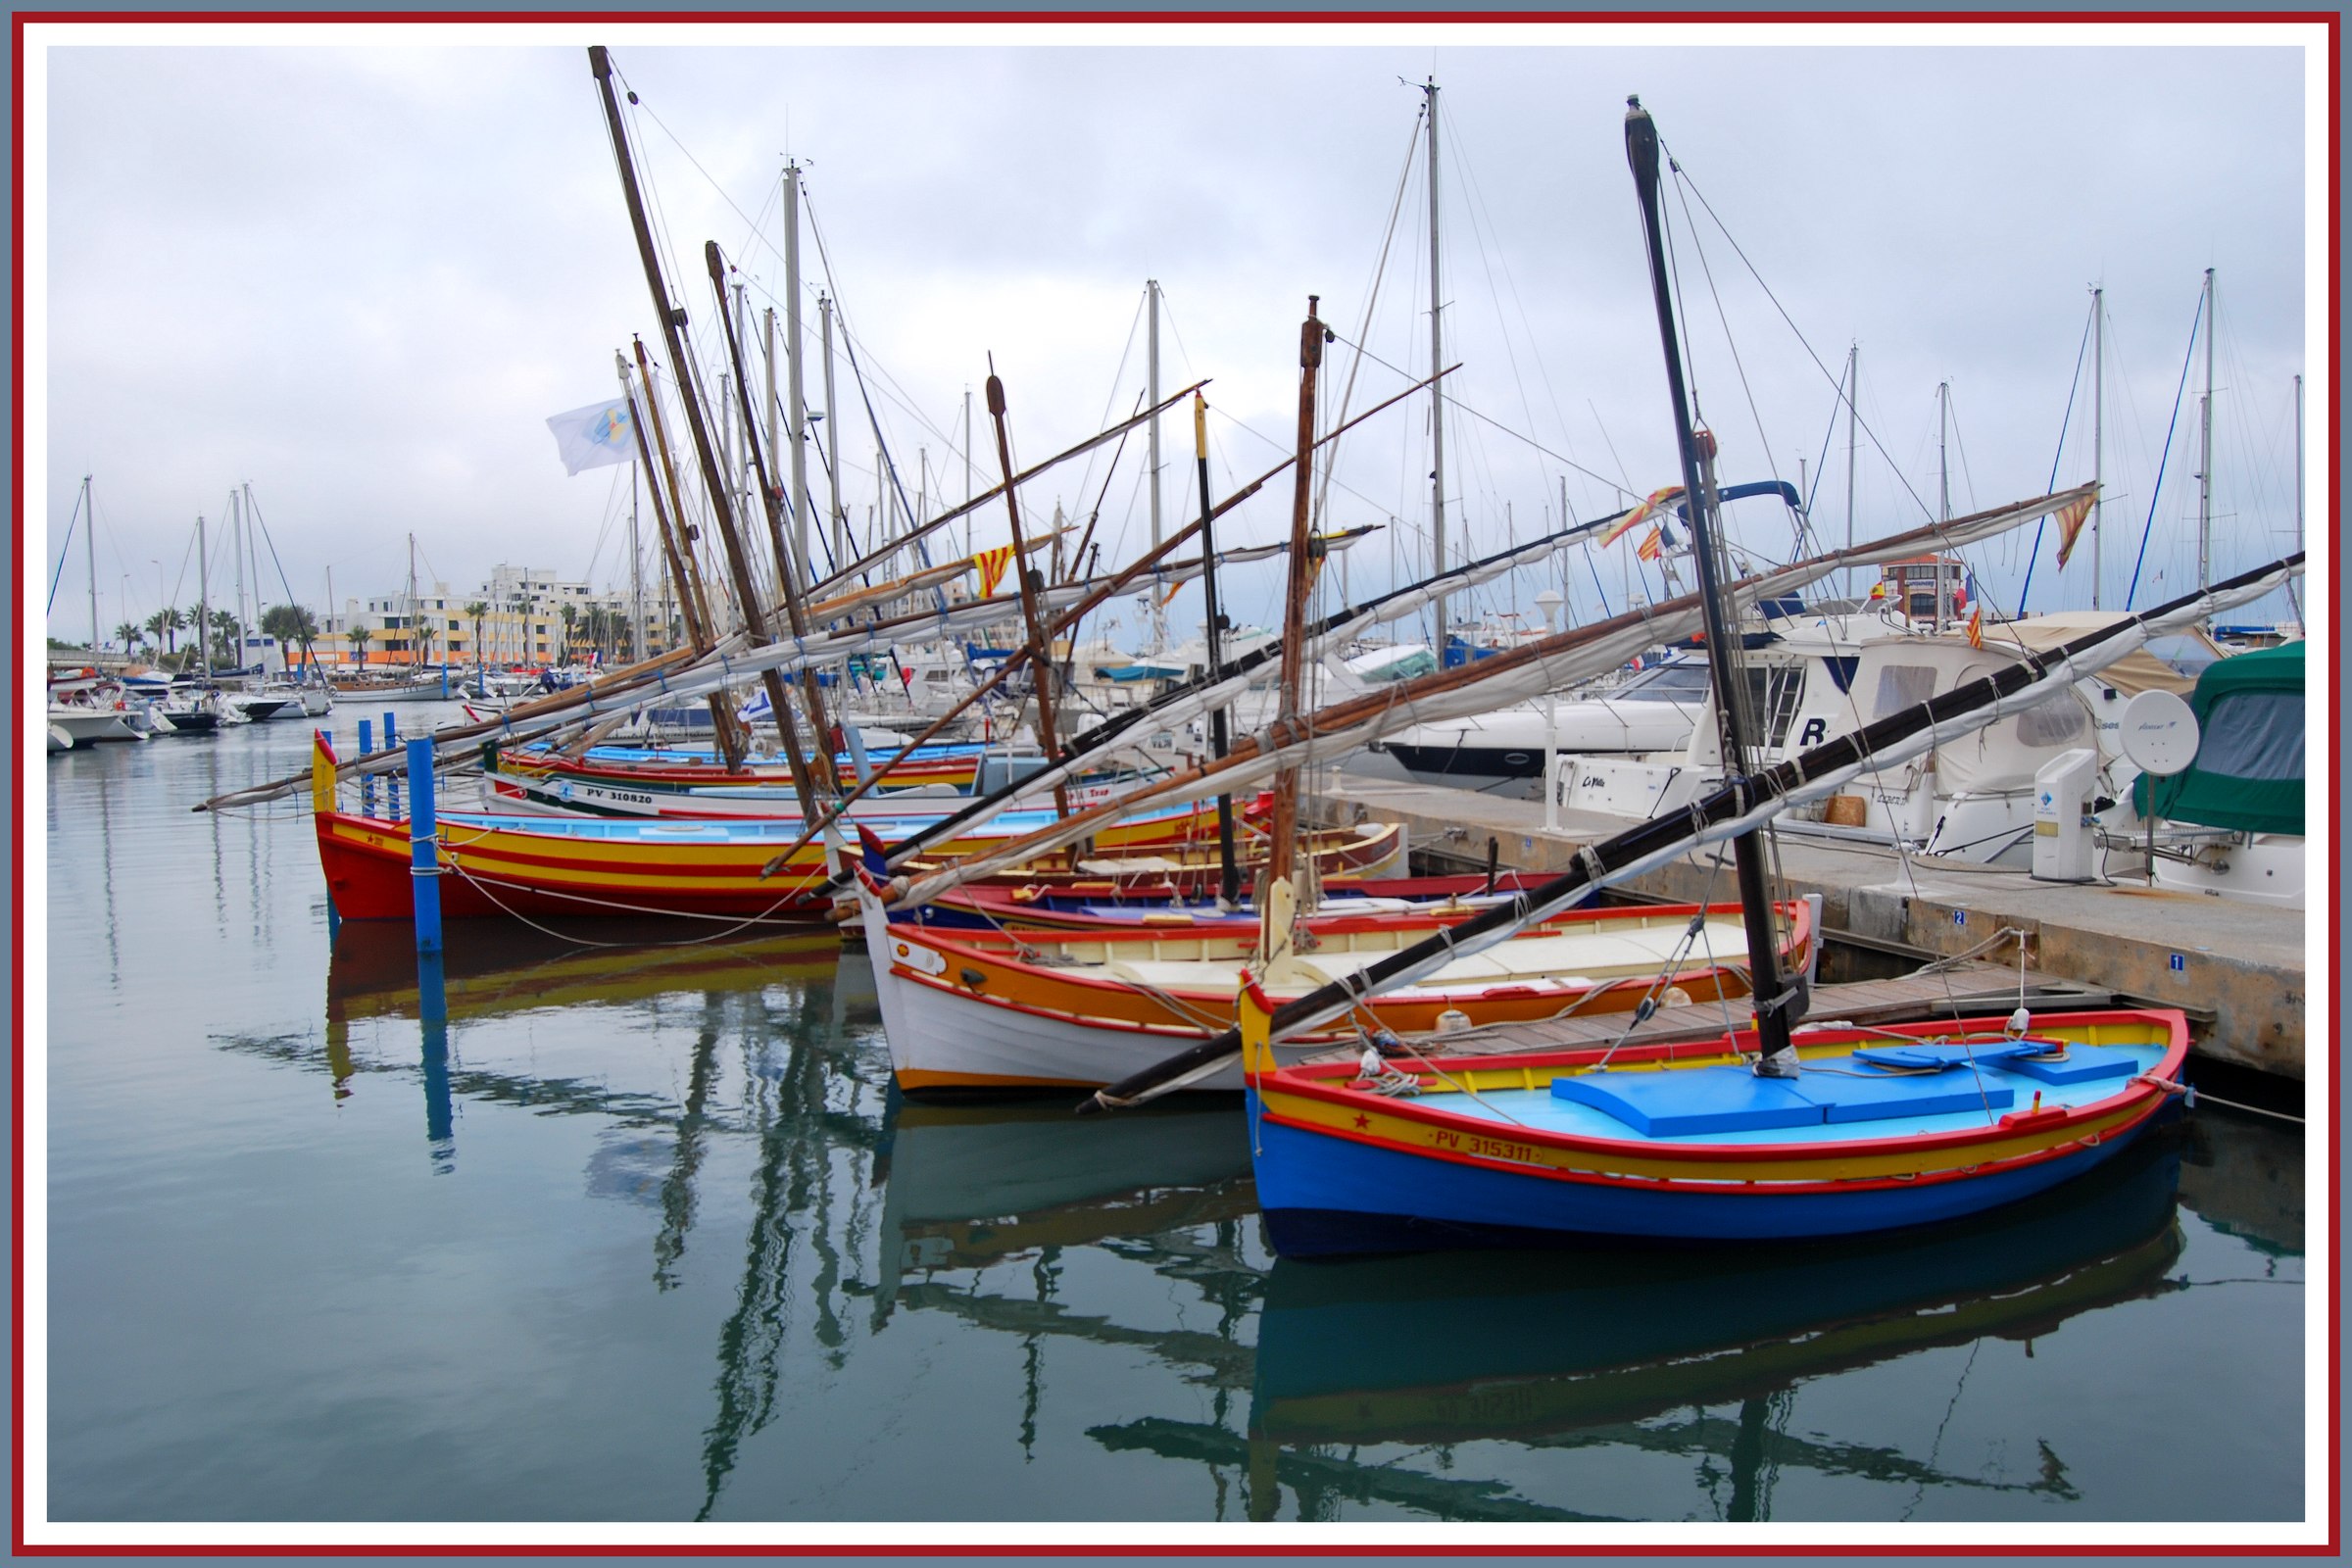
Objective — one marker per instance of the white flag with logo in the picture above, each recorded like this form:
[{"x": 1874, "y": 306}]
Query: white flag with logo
[{"x": 595, "y": 436}]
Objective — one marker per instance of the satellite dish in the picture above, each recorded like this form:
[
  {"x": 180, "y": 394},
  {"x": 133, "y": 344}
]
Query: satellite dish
[{"x": 2159, "y": 733}]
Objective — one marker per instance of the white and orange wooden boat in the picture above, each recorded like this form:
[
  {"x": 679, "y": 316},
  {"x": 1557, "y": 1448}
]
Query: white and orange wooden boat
[{"x": 1034, "y": 1009}]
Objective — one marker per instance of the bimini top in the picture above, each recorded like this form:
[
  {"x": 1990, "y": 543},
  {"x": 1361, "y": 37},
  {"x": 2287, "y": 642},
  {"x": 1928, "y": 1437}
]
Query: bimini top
[{"x": 2248, "y": 772}]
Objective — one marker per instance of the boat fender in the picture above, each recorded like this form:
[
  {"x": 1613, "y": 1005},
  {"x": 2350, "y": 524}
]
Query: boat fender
[
  {"x": 1452, "y": 1021},
  {"x": 2019, "y": 1022}
]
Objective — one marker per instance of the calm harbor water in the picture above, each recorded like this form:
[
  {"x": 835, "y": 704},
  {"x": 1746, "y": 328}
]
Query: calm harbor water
[{"x": 642, "y": 1232}]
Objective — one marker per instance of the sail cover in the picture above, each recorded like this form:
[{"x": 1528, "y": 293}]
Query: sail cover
[{"x": 2248, "y": 772}]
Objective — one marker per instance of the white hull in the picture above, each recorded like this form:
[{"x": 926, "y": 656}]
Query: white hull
[
  {"x": 936, "y": 1033},
  {"x": 87, "y": 724},
  {"x": 2267, "y": 868}
]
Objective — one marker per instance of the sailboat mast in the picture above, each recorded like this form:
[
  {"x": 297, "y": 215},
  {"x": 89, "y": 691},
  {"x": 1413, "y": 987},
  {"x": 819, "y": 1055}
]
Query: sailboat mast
[
  {"x": 2205, "y": 463},
  {"x": 796, "y": 390},
  {"x": 757, "y": 478},
  {"x": 1853, "y": 395},
  {"x": 636, "y": 577},
  {"x": 204, "y": 600},
  {"x": 1159, "y": 613},
  {"x": 1776, "y": 1004},
  {"x": 2299, "y": 460},
  {"x": 1436, "y": 392},
  {"x": 1041, "y": 669},
  {"x": 1305, "y": 555},
  {"x": 1943, "y": 461},
  {"x": 90, "y": 553},
  {"x": 2098, "y": 428},
  {"x": 236, "y": 540},
  {"x": 415, "y": 647},
  {"x": 1229, "y": 884}
]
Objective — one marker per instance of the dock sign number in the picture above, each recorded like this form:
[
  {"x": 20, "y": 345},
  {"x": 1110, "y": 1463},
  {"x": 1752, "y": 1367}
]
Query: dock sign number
[
  {"x": 1959, "y": 918},
  {"x": 2180, "y": 963}
]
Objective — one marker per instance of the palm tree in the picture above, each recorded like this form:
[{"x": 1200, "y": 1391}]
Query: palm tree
[
  {"x": 163, "y": 623},
  {"x": 571, "y": 614},
  {"x": 288, "y": 624},
  {"x": 476, "y": 611},
  {"x": 359, "y": 643},
  {"x": 128, "y": 635},
  {"x": 228, "y": 637}
]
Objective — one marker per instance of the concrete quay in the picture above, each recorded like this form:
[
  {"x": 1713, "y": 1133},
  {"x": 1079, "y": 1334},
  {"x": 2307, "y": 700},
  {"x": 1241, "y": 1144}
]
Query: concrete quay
[{"x": 2236, "y": 969}]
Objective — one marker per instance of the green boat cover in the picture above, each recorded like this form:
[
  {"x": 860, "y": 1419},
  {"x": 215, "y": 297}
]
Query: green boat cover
[{"x": 2248, "y": 772}]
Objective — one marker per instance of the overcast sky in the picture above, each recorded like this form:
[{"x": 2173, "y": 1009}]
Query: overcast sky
[{"x": 361, "y": 277}]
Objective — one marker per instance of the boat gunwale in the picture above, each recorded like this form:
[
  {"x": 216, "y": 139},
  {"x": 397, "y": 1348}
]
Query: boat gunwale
[
  {"x": 1325, "y": 1084},
  {"x": 975, "y": 943}
]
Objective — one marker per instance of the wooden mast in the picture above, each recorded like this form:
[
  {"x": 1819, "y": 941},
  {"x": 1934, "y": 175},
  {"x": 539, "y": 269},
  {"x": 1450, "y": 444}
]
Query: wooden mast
[
  {"x": 697, "y": 627},
  {"x": 788, "y": 562},
  {"x": 1777, "y": 1004},
  {"x": 673, "y": 332},
  {"x": 1281, "y": 853},
  {"x": 1041, "y": 651},
  {"x": 1229, "y": 874},
  {"x": 692, "y": 594}
]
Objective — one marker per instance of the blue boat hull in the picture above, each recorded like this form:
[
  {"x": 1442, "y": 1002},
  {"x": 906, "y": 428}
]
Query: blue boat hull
[{"x": 1313, "y": 1191}]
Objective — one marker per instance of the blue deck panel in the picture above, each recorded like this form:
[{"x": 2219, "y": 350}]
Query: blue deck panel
[
  {"x": 2080, "y": 1064},
  {"x": 1848, "y": 1091},
  {"x": 1698, "y": 1100}
]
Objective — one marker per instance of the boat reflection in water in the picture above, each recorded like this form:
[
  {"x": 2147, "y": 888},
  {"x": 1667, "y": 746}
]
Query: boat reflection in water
[
  {"x": 975, "y": 1185},
  {"x": 1624, "y": 1346},
  {"x": 372, "y": 970}
]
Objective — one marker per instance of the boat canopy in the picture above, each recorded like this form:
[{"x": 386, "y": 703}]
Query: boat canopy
[
  {"x": 2169, "y": 662},
  {"x": 2248, "y": 770}
]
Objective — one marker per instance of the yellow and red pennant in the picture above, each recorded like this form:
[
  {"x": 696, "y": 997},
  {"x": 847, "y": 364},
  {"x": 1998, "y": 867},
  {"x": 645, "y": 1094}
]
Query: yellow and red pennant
[
  {"x": 1633, "y": 518},
  {"x": 2070, "y": 526}
]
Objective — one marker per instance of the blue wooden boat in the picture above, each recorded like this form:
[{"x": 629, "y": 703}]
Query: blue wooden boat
[{"x": 1886, "y": 1128}]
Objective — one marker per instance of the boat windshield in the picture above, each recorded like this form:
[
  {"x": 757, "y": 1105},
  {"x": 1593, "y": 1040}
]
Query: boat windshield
[
  {"x": 1668, "y": 683},
  {"x": 2188, "y": 655}
]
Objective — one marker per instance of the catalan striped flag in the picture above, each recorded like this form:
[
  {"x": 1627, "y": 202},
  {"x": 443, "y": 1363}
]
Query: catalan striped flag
[
  {"x": 1633, "y": 518},
  {"x": 992, "y": 569},
  {"x": 2070, "y": 524},
  {"x": 1652, "y": 545},
  {"x": 1976, "y": 627}
]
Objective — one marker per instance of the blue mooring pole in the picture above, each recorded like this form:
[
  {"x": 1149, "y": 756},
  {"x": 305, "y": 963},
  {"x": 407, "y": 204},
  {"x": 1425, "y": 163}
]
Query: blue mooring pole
[
  {"x": 424, "y": 861},
  {"x": 392, "y": 783},
  {"x": 433, "y": 1022},
  {"x": 367, "y": 780}
]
